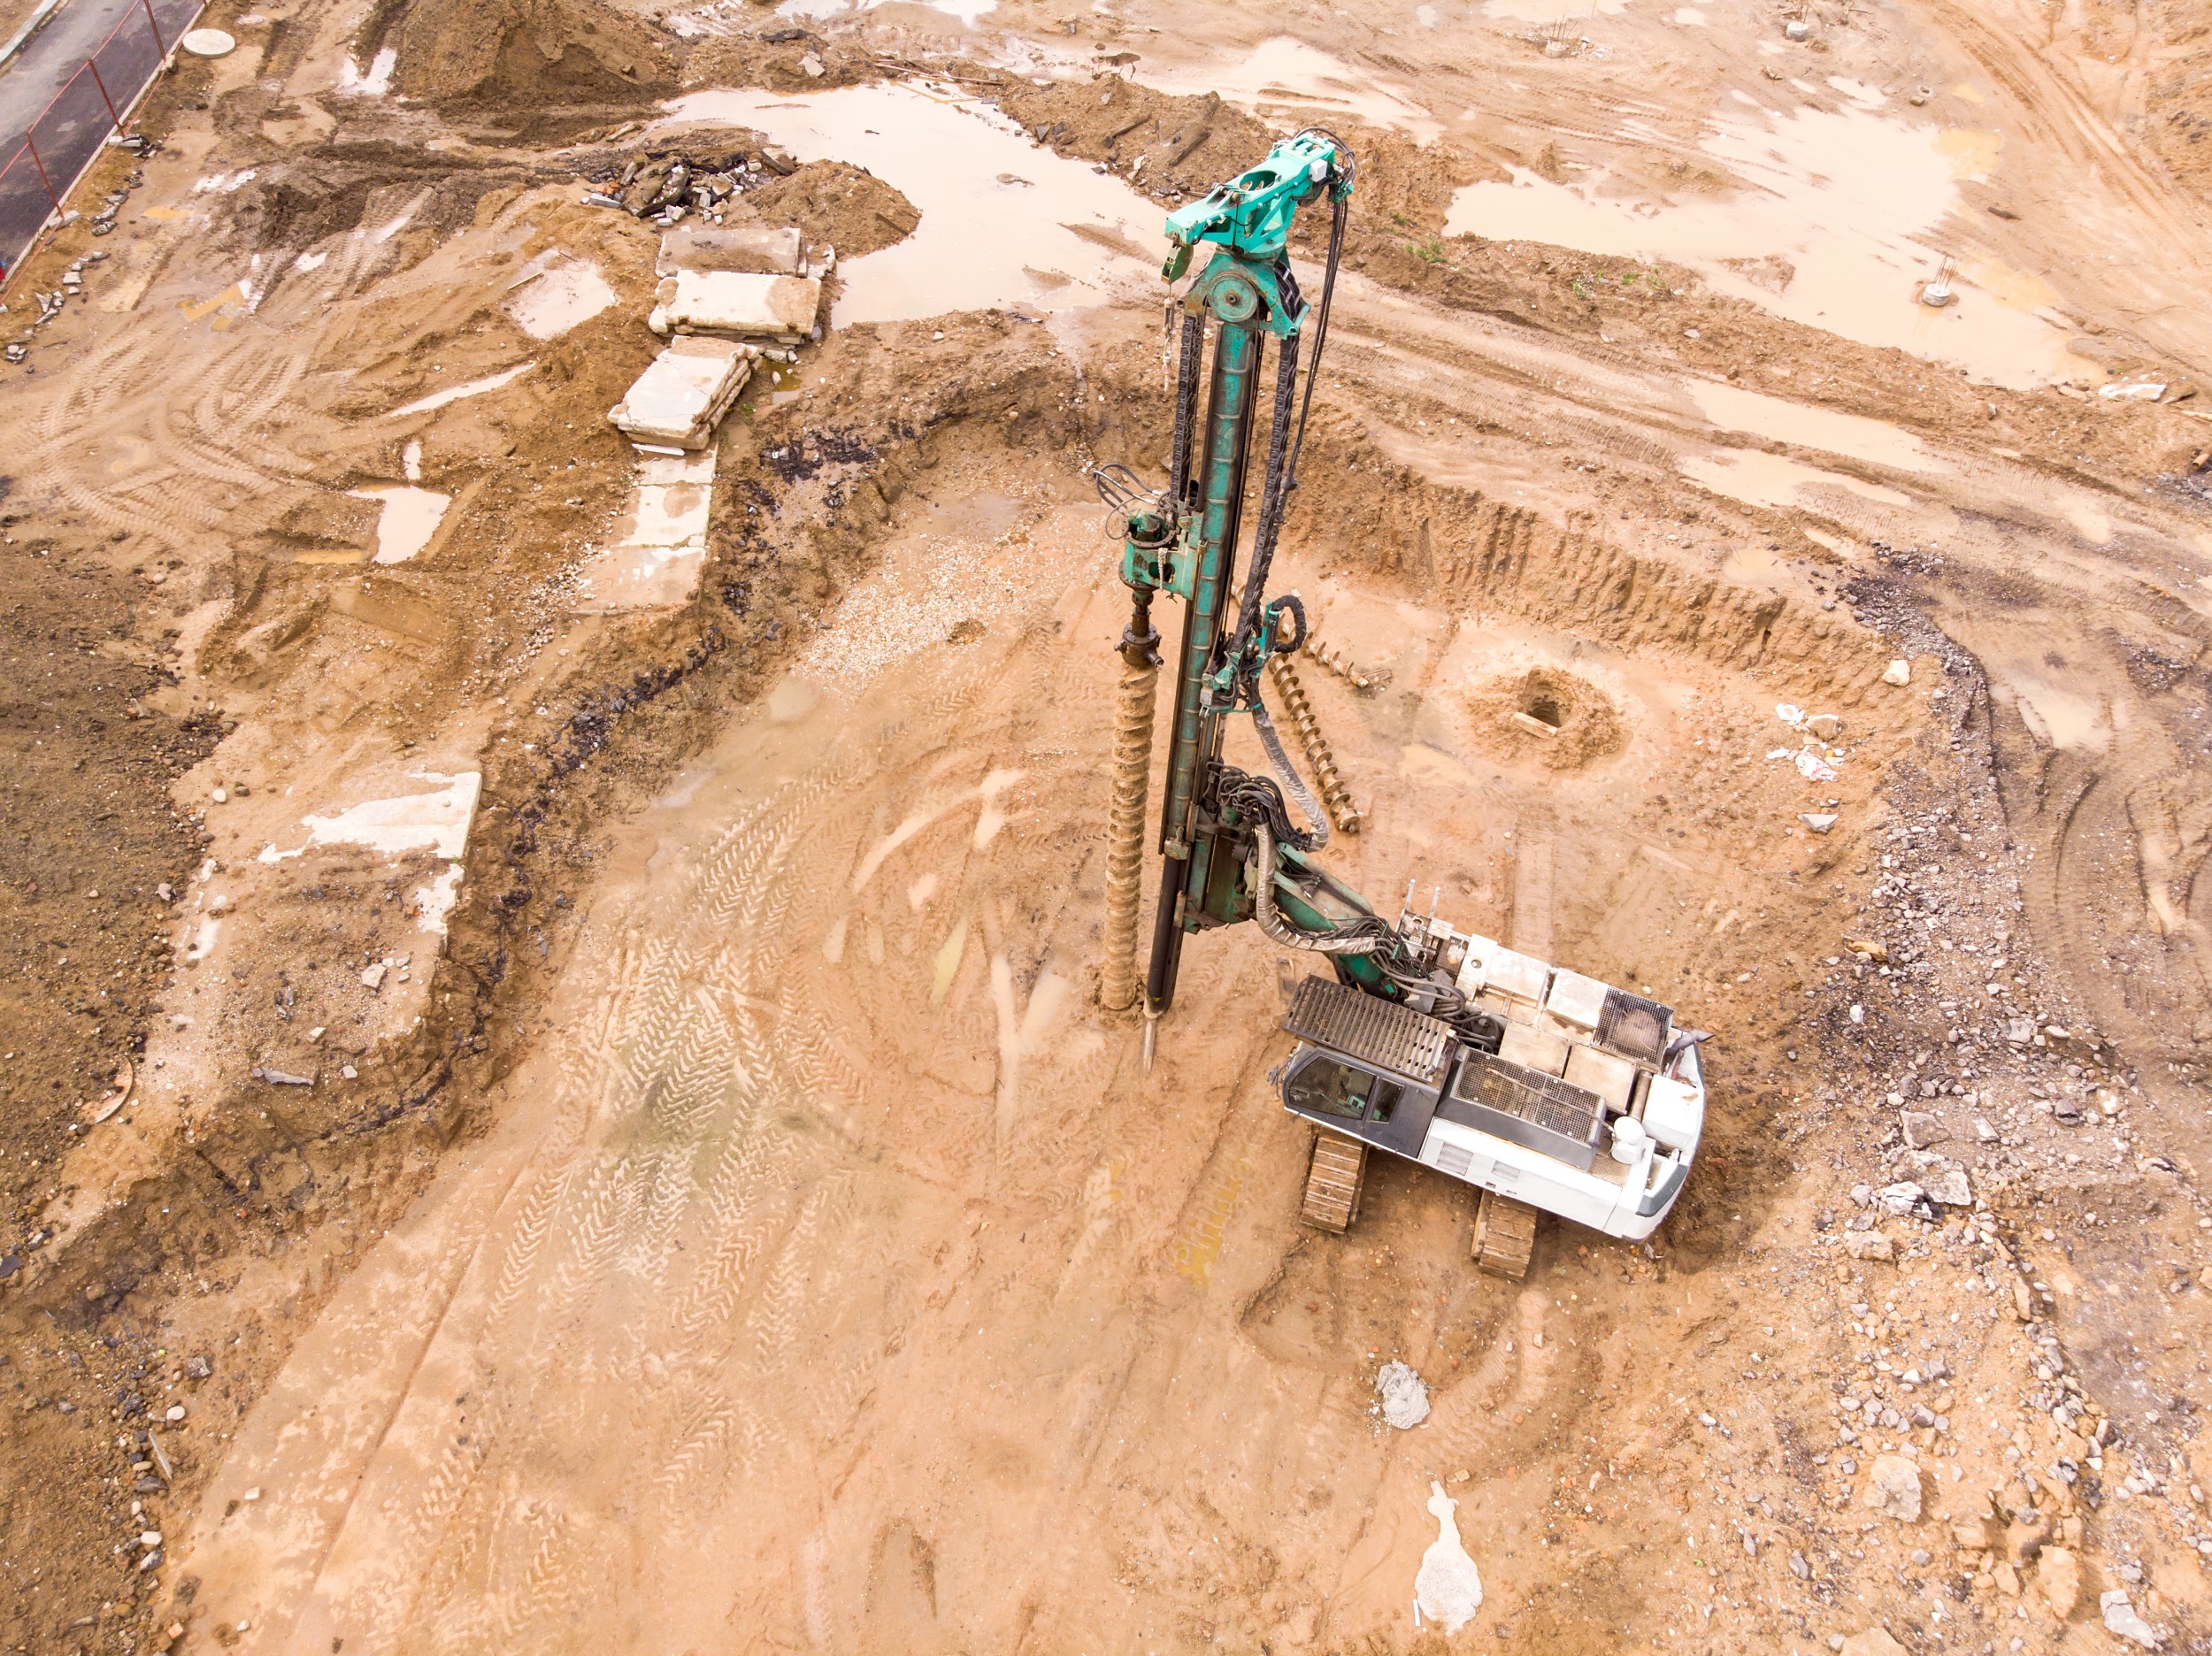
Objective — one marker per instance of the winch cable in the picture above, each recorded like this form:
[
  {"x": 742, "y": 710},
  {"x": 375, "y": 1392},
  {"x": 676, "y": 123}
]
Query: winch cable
[
  {"x": 1285, "y": 444},
  {"x": 1293, "y": 783},
  {"x": 1186, "y": 411}
]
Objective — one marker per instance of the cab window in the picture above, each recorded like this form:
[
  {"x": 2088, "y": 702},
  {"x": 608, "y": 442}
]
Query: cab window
[{"x": 1338, "y": 1089}]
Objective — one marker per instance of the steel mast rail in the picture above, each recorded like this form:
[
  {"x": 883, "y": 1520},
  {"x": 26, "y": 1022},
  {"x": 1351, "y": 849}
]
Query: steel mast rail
[{"x": 1183, "y": 540}]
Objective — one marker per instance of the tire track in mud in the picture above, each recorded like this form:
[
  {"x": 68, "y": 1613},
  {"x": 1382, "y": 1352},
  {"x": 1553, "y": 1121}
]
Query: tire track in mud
[{"x": 694, "y": 1198}]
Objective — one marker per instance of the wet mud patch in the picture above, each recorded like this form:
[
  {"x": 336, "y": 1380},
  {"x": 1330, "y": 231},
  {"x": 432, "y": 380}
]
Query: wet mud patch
[{"x": 296, "y": 202}]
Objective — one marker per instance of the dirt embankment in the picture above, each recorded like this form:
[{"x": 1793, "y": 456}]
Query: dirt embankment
[
  {"x": 89, "y": 838},
  {"x": 527, "y": 57},
  {"x": 190, "y": 1291},
  {"x": 275, "y": 1196}
]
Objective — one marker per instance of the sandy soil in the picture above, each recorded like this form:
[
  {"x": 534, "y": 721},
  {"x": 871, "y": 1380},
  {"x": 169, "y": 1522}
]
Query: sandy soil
[{"x": 567, "y": 1129}]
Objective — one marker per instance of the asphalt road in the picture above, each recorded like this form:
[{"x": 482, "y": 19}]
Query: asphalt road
[{"x": 45, "y": 96}]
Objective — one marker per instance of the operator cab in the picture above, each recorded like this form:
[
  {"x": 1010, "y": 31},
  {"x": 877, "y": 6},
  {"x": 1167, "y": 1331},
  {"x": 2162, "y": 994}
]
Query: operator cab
[{"x": 1588, "y": 1105}]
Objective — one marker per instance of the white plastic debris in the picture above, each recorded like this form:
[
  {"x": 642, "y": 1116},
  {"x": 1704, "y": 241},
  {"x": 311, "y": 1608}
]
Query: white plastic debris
[
  {"x": 2120, "y": 1617},
  {"x": 682, "y": 396},
  {"x": 737, "y": 304},
  {"x": 1813, "y": 767},
  {"x": 1448, "y": 1589},
  {"x": 1789, "y": 714},
  {"x": 1405, "y": 1399}
]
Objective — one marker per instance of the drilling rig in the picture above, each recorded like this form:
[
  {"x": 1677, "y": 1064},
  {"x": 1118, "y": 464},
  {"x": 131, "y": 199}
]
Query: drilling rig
[{"x": 1547, "y": 1091}]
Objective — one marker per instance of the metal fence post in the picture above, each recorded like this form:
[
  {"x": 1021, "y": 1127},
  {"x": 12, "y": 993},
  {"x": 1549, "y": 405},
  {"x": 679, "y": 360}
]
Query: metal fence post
[
  {"x": 153, "y": 24},
  {"x": 114, "y": 119},
  {"x": 41, "y": 165}
]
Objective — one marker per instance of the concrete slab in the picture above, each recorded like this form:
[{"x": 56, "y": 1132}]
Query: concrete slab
[
  {"x": 434, "y": 819},
  {"x": 761, "y": 249},
  {"x": 737, "y": 304},
  {"x": 659, "y": 561},
  {"x": 680, "y": 398}
]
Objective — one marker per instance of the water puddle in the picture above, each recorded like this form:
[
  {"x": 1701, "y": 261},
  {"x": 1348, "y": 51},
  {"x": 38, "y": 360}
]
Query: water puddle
[
  {"x": 2064, "y": 719},
  {"x": 435, "y": 821},
  {"x": 1778, "y": 420},
  {"x": 1309, "y": 82},
  {"x": 409, "y": 517},
  {"x": 375, "y": 82},
  {"x": 455, "y": 393},
  {"x": 664, "y": 548},
  {"x": 966, "y": 11},
  {"x": 1550, "y": 11},
  {"x": 1838, "y": 228},
  {"x": 1759, "y": 478},
  {"x": 555, "y": 300},
  {"x": 1004, "y": 223}
]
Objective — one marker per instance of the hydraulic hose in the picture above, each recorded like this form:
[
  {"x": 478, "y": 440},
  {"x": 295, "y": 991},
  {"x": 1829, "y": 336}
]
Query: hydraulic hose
[{"x": 1276, "y": 927}]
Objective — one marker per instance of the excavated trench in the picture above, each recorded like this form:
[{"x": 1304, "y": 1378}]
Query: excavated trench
[
  {"x": 786, "y": 1194},
  {"x": 822, "y": 1124}
]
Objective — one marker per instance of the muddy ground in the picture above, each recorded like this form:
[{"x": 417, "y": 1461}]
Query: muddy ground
[{"x": 692, "y": 1135}]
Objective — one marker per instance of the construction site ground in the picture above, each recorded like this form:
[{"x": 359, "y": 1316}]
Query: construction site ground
[{"x": 553, "y": 1106}]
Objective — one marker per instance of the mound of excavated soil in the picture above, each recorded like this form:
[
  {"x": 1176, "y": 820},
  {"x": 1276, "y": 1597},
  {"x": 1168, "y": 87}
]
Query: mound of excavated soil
[
  {"x": 1511, "y": 715},
  {"x": 848, "y": 207},
  {"x": 528, "y": 58}
]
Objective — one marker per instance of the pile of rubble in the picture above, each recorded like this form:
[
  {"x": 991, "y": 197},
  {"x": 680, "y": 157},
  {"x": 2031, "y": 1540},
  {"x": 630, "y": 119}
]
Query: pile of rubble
[
  {"x": 49, "y": 304},
  {"x": 728, "y": 299},
  {"x": 667, "y": 187}
]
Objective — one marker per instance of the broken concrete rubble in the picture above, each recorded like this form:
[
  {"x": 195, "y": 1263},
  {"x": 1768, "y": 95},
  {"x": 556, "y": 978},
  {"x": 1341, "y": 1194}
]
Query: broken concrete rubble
[
  {"x": 1893, "y": 1488},
  {"x": 2120, "y": 1617},
  {"x": 1405, "y": 1399}
]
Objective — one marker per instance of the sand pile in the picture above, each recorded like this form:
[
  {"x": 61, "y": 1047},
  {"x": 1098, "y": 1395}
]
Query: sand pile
[{"x": 529, "y": 57}]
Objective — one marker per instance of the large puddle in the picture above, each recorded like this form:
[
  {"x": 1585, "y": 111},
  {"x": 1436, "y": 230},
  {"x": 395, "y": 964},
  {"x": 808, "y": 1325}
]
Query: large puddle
[
  {"x": 1759, "y": 478},
  {"x": 409, "y": 517},
  {"x": 1852, "y": 435},
  {"x": 1837, "y": 227},
  {"x": 1005, "y": 223},
  {"x": 1299, "y": 78}
]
